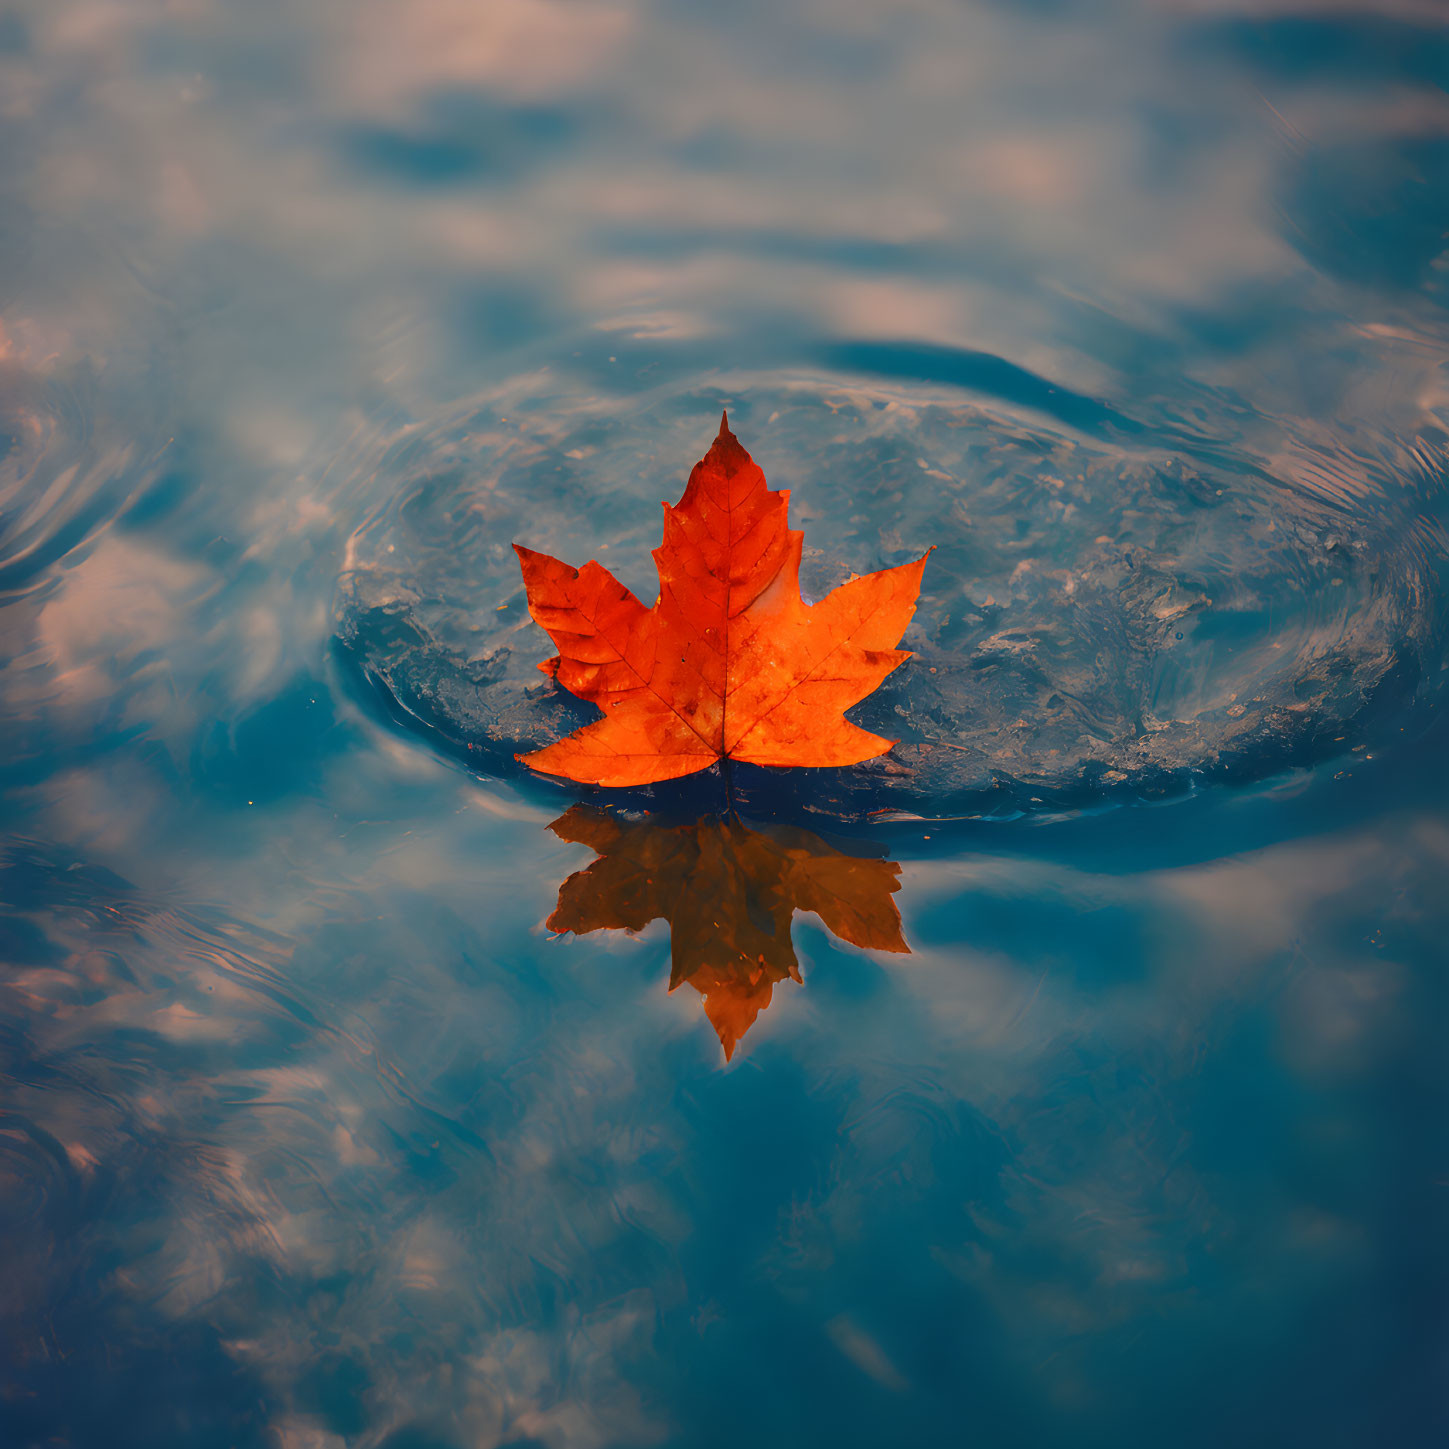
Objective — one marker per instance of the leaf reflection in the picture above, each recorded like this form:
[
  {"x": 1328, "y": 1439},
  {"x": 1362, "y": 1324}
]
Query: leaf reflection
[{"x": 729, "y": 892}]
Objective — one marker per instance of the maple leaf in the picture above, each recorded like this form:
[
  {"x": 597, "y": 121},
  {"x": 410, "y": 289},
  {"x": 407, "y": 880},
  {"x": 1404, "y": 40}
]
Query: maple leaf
[
  {"x": 729, "y": 893},
  {"x": 730, "y": 663}
]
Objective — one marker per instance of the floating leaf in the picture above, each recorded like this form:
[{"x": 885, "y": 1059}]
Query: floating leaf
[{"x": 730, "y": 663}]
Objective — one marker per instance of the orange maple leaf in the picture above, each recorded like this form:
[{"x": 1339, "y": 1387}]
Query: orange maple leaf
[
  {"x": 729, "y": 893},
  {"x": 730, "y": 663}
]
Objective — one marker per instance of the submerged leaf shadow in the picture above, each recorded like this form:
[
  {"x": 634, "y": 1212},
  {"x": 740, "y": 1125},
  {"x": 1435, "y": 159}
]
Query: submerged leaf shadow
[{"x": 729, "y": 892}]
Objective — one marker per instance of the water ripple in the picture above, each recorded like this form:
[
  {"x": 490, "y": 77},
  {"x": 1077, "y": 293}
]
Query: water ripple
[
  {"x": 67, "y": 467},
  {"x": 1101, "y": 618}
]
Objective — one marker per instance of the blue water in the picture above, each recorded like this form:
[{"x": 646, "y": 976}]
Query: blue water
[{"x": 314, "y": 1136}]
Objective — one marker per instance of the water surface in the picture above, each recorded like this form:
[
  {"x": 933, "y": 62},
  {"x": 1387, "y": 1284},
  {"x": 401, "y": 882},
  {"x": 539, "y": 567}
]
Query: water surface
[{"x": 1085, "y": 1082}]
